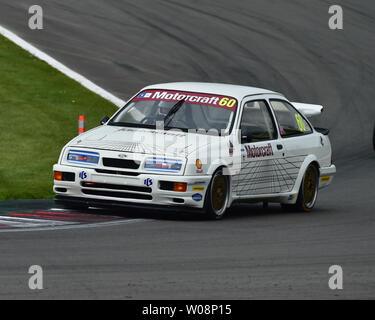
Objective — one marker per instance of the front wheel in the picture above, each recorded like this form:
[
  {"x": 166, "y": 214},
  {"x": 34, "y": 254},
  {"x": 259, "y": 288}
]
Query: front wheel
[
  {"x": 308, "y": 191},
  {"x": 217, "y": 196}
]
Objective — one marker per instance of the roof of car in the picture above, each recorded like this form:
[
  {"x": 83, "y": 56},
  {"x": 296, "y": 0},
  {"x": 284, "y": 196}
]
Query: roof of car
[{"x": 212, "y": 88}]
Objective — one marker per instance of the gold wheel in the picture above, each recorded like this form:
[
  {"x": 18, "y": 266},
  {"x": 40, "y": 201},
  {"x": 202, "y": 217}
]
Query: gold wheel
[
  {"x": 308, "y": 191},
  {"x": 218, "y": 195},
  {"x": 310, "y": 188}
]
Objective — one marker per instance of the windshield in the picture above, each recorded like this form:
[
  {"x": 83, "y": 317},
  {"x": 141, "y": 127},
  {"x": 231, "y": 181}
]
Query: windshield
[{"x": 177, "y": 109}]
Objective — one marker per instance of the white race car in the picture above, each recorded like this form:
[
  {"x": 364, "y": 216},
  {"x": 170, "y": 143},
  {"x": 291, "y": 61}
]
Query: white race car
[{"x": 198, "y": 146}]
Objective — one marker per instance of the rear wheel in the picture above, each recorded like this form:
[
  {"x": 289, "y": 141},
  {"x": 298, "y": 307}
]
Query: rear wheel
[
  {"x": 308, "y": 191},
  {"x": 217, "y": 196}
]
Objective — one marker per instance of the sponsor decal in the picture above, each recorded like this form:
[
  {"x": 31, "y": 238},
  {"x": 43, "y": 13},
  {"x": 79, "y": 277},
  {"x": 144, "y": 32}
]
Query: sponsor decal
[
  {"x": 197, "y": 197},
  {"x": 148, "y": 182},
  {"x": 145, "y": 95},
  {"x": 198, "y": 188},
  {"x": 261, "y": 151},
  {"x": 325, "y": 179},
  {"x": 198, "y": 164},
  {"x": 83, "y": 175},
  {"x": 199, "y": 182},
  {"x": 212, "y": 100},
  {"x": 291, "y": 197},
  {"x": 231, "y": 148}
]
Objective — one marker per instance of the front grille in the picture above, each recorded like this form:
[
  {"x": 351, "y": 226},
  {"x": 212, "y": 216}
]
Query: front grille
[
  {"x": 117, "y": 194},
  {"x": 123, "y": 173},
  {"x": 121, "y": 163},
  {"x": 96, "y": 185}
]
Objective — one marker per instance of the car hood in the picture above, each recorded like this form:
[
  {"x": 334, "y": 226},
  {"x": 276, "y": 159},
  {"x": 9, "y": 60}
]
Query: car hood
[{"x": 139, "y": 140}]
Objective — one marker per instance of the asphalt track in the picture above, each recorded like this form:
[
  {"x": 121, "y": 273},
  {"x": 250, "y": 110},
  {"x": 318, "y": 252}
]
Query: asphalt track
[{"x": 285, "y": 46}]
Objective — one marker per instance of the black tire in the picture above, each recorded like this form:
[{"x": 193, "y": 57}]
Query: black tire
[
  {"x": 308, "y": 191},
  {"x": 217, "y": 196}
]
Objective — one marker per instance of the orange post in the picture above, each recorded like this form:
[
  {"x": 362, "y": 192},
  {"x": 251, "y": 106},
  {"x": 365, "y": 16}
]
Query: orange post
[{"x": 81, "y": 124}]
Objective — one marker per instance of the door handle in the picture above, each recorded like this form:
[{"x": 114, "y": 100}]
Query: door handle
[{"x": 279, "y": 147}]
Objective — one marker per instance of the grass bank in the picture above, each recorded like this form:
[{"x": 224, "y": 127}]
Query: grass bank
[{"x": 39, "y": 109}]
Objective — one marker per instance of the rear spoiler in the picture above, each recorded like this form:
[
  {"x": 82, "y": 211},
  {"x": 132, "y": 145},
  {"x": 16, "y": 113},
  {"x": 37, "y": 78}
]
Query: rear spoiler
[{"x": 309, "y": 110}]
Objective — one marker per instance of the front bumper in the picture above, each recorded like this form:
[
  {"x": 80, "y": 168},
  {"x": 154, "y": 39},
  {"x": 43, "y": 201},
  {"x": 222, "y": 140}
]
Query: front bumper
[
  {"x": 91, "y": 187},
  {"x": 90, "y": 202}
]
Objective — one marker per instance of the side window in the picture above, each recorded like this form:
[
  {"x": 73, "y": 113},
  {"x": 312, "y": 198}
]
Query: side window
[
  {"x": 257, "y": 122},
  {"x": 290, "y": 121}
]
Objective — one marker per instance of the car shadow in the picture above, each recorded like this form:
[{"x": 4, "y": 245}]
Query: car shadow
[{"x": 237, "y": 212}]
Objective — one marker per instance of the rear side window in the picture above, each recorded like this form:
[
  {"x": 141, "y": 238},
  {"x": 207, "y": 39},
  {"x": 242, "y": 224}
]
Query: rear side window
[{"x": 291, "y": 122}]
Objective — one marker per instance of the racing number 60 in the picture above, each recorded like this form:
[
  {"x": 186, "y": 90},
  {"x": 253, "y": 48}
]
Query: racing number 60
[{"x": 226, "y": 102}]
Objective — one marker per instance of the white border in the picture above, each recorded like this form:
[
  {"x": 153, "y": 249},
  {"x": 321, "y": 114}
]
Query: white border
[{"x": 62, "y": 68}]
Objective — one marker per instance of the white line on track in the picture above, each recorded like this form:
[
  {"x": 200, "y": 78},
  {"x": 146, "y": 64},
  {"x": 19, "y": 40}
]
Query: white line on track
[
  {"x": 30, "y": 223},
  {"x": 77, "y": 226},
  {"x": 61, "y": 67}
]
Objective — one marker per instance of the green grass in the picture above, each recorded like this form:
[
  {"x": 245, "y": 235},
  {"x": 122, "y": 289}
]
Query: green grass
[{"x": 39, "y": 109}]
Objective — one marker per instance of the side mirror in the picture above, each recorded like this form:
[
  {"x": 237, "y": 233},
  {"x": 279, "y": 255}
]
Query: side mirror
[{"x": 104, "y": 120}]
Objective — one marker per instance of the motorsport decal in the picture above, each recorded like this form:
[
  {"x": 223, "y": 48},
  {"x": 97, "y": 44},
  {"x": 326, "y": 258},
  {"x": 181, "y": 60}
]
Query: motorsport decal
[
  {"x": 148, "y": 182},
  {"x": 197, "y": 197},
  {"x": 231, "y": 148},
  {"x": 198, "y": 188},
  {"x": 198, "y": 164},
  {"x": 83, "y": 175},
  {"x": 257, "y": 152},
  {"x": 212, "y": 100}
]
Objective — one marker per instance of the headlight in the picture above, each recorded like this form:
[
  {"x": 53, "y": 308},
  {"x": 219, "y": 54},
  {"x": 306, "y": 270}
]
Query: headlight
[
  {"x": 162, "y": 164},
  {"x": 78, "y": 156}
]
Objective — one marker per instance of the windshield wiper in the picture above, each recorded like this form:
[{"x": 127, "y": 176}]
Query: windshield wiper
[
  {"x": 119, "y": 124},
  {"x": 173, "y": 111},
  {"x": 129, "y": 124}
]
